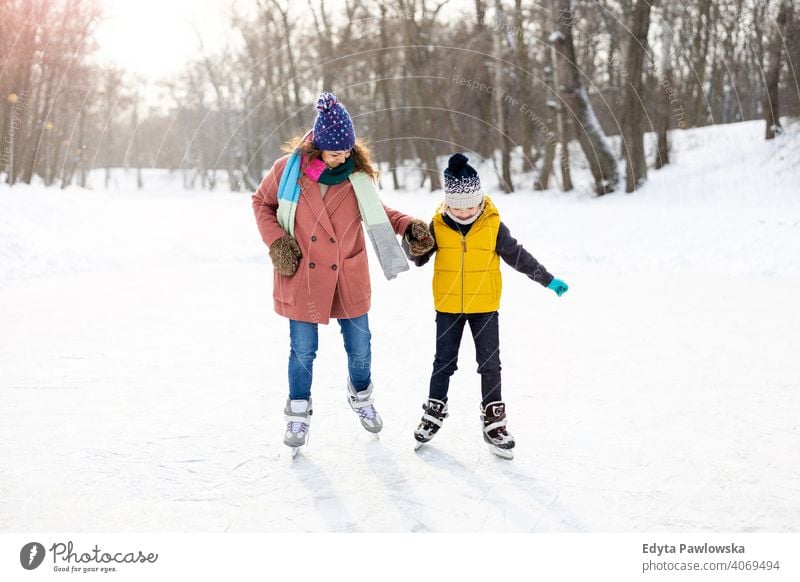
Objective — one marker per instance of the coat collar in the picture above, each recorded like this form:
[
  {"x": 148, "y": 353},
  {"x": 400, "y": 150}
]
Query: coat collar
[
  {"x": 337, "y": 194},
  {"x": 323, "y": 208}
]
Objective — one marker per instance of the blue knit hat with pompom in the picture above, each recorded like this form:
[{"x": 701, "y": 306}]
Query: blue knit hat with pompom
[
  {"x": 462, "y": 186},
  {"x": 333, "y": 128}
]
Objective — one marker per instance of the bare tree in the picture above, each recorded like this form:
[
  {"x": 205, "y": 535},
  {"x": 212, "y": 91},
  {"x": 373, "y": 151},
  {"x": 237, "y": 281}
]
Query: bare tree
[
  {"x": 112, "y": 96},
  {"x": 499, "y": 100},
  {"x": 561, "y": 125},
  {"x": 553, "y": 119},
  {"x": 699, "y": 47},
  {"x": 523, "y": 63},
  {"x": 771, "y": 99},
  {"x": 44, "y": 106},
  {"x": 481, "y": 42},
  {"x": 419, "y": 85},
  {"x": 573, "y": 92},
  {"x": 665, "y": 90},
  {"x": 383, "y": 86},
  {"x": 416, "y": 32},
  {"x": 633, "y": 106}
]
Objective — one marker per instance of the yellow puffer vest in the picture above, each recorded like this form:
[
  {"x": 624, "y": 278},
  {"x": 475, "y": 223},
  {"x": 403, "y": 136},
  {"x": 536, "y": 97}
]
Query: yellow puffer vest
[{"x": 466, "y": 272}]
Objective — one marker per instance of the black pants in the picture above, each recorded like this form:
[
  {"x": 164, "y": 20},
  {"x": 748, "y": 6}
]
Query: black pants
[{"x": 485, "y": 333}]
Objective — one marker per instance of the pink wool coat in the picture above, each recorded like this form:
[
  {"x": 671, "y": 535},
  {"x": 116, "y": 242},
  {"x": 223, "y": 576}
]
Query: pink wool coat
[{"x": 332, "y": 279}]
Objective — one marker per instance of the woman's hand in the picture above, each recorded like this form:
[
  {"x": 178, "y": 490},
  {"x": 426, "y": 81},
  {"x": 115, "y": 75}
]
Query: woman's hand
[
  {"x": 419, "y": 238},
  {"x": 285, "y": 255}
]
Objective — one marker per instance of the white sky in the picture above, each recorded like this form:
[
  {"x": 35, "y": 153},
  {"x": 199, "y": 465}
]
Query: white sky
[{"x": 154, "y": 38}]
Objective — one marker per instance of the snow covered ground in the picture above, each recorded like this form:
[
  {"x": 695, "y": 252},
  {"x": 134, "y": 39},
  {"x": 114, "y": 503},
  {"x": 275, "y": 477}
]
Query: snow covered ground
[{"x": 143, "y": 371}]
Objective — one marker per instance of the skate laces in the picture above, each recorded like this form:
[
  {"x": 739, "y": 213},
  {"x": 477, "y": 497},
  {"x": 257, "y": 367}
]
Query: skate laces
[
  {"x": 295, "y": 427},
  {"x": 499, "y": 435},
  {"x": 366, "y": 412},
  {"x": 428, "y": 426}
]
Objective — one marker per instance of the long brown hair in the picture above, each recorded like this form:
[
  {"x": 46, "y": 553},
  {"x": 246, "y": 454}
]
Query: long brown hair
[{"x": 360, "y": 153}]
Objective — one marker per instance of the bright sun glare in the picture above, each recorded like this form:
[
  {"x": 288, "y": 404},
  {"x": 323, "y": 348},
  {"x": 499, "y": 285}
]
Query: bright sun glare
[{"x": 155, "y": 37}]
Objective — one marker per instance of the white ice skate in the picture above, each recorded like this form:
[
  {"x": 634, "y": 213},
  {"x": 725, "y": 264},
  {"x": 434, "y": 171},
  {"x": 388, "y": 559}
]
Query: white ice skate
[
  {"x": 298, "y": 418},
  {"x": 361, "y": 402}
]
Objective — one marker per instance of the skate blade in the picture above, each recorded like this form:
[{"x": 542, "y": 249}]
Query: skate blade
[
  {"x": 294, "y": 451},
  {"x": 502, "y": 453},
  {"x": 418, "y": 444}
]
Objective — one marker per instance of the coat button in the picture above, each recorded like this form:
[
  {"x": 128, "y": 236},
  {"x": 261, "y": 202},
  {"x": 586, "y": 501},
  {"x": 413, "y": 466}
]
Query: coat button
[
  {"x": 333, "y": 240},
  {"x": 334, "y": 267},
  {"x": 313, "y": 238},
  {"x": 311, "y": 265}
]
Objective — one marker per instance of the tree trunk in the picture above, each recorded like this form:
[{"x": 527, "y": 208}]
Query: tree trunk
[
  {"x": 667, "y": 91},
  {"x": 298, "y": 103},
  {"x": 482, "y": 99},
  {"x": 700, "y": 52},
  {"x": 83, "y": 170},
  {"x": 383, "y": 83},
  {"x": 725, "y": 112},
  {"x": 35, "y": 137},
  {"x": 415, "y": 58},
  {"x": 326, "y": 48},
  {"x": 9, "y": 144},
  {"x": 775, "y": 50},
  {"x": 499, "y": 102},
  {"x": 543, "y": 180},
  {"x": 633, "y": 108},
  {"x": 480, "y": 15},
  {"x": 566, "y": 175},
  {"x": 590, "y": 134},
  {"x": 523, "y": 62}
]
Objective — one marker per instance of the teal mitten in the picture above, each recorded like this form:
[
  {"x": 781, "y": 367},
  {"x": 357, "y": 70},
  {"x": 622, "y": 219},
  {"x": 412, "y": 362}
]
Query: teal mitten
[{"x": 558, "y": 286}]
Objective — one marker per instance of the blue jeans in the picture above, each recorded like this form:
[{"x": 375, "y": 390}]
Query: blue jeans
[{"x": 303, "y": 337}]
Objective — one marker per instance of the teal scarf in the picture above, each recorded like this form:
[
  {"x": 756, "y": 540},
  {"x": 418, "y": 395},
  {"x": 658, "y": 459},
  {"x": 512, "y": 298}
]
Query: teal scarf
[
  {"x": 337, "y": 175},
  {"x": 379, "y": 229}
]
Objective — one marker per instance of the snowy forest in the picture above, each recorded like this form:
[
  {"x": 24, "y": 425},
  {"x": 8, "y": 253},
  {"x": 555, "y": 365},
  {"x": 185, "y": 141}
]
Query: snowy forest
[{"x": 497, "y": 77}]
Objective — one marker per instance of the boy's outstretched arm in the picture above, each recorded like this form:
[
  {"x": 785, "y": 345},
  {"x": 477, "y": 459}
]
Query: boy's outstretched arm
[
  {"x": 515, "y": 255},
  {"x": 420, "y": 260}
]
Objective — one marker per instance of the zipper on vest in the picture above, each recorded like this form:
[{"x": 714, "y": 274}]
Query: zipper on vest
[{"x": 463, "y": 266}]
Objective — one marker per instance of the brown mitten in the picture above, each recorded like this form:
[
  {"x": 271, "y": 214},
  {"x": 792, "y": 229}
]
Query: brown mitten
[
  {"x": 285, "y": 255},
  {"x": 419, "y": 238}
]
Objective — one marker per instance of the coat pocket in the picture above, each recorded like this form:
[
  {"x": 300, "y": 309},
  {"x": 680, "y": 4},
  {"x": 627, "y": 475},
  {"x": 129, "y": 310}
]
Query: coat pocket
[
  {"x": 284, "y": 289},
  {"x": 355, "y": 277}
]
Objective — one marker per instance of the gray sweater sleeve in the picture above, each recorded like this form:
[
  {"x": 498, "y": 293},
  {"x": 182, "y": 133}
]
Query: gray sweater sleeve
[{"x": 515, "y": 255}]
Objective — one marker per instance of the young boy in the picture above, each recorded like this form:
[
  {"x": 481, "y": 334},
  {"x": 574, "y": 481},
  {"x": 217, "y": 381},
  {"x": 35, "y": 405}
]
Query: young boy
[{"x": 469, "y": 241}]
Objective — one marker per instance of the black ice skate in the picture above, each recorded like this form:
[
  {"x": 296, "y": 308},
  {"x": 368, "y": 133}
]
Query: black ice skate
[
  {"x": 495, "y": 434},
  {"x": 435, "y": 413}
]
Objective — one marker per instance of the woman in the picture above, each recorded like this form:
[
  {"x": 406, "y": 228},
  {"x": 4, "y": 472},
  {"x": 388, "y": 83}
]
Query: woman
[{"x": 309, "y": 209}]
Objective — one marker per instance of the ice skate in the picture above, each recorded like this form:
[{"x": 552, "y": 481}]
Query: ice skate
[
  {"x": 361, "y": 402},
  {"x": 298, "y": 416},
  {"x": 432, "y": 418},
  {"x": 493, "y": 416}
]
